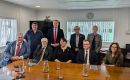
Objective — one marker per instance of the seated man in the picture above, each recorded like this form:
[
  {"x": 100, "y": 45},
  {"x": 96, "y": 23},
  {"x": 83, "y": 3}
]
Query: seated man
[
  {"x": 86, "y": 55},
  {"x": 15, "y": 51},
  {"x": 43, "y": 51}
]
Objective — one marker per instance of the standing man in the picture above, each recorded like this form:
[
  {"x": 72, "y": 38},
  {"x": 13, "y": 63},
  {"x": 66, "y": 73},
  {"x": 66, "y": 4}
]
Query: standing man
[
  {"x": 15, "y": 51},
  {"x": 33, "y": 37},
  {"x": 95, "y": 40},
  {"x": 86, "y": 55},
  {"x": 76, "y": 40},
  {"x": 55, "y": 34}
]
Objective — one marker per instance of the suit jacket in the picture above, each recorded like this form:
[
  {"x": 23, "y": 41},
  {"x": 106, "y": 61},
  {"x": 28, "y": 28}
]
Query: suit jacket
[
  {"x": 50, "y": 36},
  {"x": 10, "y": 52},
  {"x": 48, "y": 54},
  {"x": 98, "y": 41},
  {"x": 73, "y": 41},
  {"x": 93, "y": 59},
  {"x": 118, "y": 60}
]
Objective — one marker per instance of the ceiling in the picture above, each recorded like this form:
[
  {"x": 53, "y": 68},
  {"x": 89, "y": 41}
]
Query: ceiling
[{"x": 72, "y": 4}]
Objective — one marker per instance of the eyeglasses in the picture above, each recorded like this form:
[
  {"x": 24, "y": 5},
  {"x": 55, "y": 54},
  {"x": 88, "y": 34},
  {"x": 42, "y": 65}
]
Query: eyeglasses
[{"x": 85, "y": 44}]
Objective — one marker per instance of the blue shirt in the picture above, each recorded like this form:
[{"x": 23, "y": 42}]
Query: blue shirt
[{"x": 33, "y": 39}]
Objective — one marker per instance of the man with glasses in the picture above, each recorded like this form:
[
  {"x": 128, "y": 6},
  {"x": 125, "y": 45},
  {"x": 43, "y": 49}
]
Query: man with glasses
[{"x": 86, "y": 55}]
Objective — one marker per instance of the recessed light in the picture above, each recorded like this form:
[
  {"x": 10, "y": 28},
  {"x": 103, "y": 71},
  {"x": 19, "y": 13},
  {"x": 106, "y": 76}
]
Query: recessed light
[{"x": 37, "y": 6}]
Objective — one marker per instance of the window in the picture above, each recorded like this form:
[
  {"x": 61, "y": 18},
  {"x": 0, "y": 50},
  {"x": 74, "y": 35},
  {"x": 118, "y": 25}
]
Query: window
[
  {"x": 8, "y": 30},
  {"x": 105, "y": 28}
]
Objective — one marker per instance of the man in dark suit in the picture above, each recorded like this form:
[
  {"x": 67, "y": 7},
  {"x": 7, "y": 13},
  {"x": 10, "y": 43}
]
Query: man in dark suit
[
  {"x": 55, "y": 34},
  {"x": 86, "y": 55},
  {"x": 15, "y": 51},
  {"x": 43, "y": 51},
  {"x": 76, "y": 41}
]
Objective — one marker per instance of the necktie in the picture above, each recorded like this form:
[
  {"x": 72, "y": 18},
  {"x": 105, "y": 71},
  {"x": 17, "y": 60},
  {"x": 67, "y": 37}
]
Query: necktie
[
  {"x": 18, "y": 49},
  {"x": 85, "y": 58},
  {"x": 43, "y": 51},
  {"x": 54, "y": 35}
]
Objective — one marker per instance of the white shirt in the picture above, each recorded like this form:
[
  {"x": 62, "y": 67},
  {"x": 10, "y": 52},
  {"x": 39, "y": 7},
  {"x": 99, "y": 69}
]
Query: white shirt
[{"x": 77, "y": 40}]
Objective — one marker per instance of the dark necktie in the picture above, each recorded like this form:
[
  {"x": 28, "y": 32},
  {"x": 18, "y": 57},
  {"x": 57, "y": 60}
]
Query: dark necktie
[{"x": 85, "y": 58}]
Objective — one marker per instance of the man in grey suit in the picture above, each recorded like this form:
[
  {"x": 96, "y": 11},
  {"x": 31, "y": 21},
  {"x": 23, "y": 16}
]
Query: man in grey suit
[
  {"x": 95, "y": 40},
  {"x": 15, "y": 51}
]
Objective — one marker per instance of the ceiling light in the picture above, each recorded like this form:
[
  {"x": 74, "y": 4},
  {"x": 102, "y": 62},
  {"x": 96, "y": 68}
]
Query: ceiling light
[{"x": 37, "y": 6}]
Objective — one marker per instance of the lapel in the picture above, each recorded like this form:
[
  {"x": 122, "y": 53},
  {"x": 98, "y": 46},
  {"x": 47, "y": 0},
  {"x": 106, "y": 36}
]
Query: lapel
[
  {"x": 79, "y": 39},
  {"x": 13, "y": 48},
  {"x": 52, "y": 34},
  {"x": 45, "y": 53},
  {"x": 57, "y": 34},
  {"x": 83, "y": 54},
  {"x": 75, "y": 38}
]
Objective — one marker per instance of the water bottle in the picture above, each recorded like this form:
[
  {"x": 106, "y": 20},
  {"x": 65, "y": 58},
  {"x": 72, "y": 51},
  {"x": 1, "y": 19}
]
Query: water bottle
[
  {"x": 85, "y": 70},
  {"x": 46, "y": 66}
]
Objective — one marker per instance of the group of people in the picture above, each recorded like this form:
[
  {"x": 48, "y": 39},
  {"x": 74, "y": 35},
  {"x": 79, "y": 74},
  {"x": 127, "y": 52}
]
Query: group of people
[{"x": 54, "y": 47}]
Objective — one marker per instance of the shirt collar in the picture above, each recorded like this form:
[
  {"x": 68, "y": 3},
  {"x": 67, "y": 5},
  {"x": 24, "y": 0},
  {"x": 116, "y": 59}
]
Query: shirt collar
[
  {"x": 55, "y": 28},
  {"x": 19, "y": 43}
]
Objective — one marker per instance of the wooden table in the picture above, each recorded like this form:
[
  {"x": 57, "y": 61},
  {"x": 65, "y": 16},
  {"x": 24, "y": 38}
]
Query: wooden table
[{"x": 71, "y": 71}]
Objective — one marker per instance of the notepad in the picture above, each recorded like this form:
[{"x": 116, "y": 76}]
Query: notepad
[{"x": 94, "y": 67}]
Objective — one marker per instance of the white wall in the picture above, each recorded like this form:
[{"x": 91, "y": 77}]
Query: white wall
[
  {"x": 120, "y": 16},
  {"x": 22, "y": 14}
]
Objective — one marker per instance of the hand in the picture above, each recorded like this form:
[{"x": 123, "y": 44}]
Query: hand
[
  {"x": 56, "y": 60},
  {"x": 69, "y": 61},
  {"x": 111, "y": 65},
  {"x": 25, "y": 40},
  {"x": 15, "y": 58},
  {"x": 76, "y": 49},
  {"x": 56, "y": 44}
]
